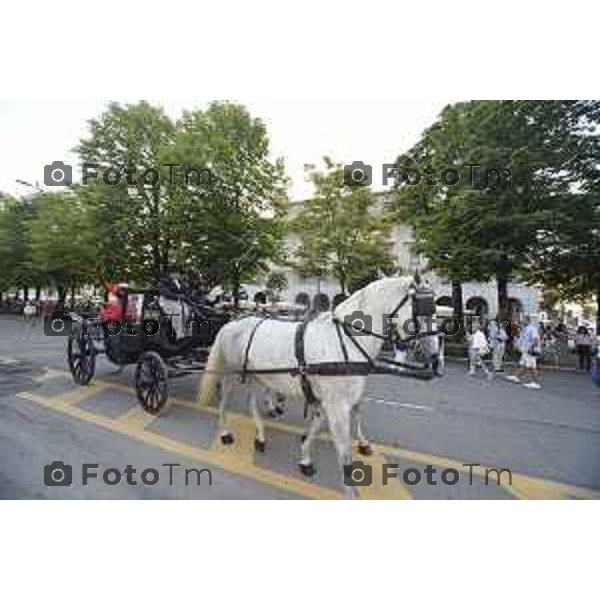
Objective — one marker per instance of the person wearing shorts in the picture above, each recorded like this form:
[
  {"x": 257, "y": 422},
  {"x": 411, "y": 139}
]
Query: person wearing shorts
[{"x": 529, "y": 344}]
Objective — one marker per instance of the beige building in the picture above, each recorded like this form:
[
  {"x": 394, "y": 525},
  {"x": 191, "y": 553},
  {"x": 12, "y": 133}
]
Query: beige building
[{"x": 482, "y": 297}]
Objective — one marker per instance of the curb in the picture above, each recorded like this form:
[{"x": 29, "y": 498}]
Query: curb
[{"x": 513, "y": 364}]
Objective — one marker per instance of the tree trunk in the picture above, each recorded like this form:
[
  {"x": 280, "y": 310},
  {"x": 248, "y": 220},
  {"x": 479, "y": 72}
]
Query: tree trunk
[
  {"x": 236, "y": 289},
  {"x": 503, "y": 300},
  {"x": 38, "y": 293},
  {"x": 26, "y": 293},
  {"x": 598, "y": 312},
  {"x": 62, "y": 295},
  {"x": 342, "y": 280},
  {"x": 457, "y": 307}
]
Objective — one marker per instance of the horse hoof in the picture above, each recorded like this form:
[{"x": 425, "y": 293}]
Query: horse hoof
[
  {"x": 307, "y": 470},
  {"x": 227, "y": 439},
  {"x": 259, "y": 446},
  {"x": 279, "y": 411},
  {"x": 303, "y": 438},
  {"x": 365, "y": 449},
  {"x": 272, "y": 414}
]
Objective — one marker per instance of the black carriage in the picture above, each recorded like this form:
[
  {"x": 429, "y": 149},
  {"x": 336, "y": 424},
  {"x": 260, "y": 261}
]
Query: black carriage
[{"x": 162, "y": 343}]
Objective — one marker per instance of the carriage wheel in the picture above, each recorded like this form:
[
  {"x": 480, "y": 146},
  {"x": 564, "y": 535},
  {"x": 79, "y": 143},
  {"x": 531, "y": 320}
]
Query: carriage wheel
[
  {"x": 152, "y": 382},
  {"x": 81, "y": 356}
]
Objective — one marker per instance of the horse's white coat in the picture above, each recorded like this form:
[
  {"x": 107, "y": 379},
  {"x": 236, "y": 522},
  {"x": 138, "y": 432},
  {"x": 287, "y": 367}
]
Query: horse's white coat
[{"x": 273, "y": 347}]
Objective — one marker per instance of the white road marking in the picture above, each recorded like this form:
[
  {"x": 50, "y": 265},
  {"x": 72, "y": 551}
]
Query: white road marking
[
  {"x": 5, "y": 360},
  {"x": 401, "y": 404}
]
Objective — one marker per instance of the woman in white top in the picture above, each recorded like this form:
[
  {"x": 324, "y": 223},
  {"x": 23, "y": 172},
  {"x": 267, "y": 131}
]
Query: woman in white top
[{"x": 478, "y": 347}]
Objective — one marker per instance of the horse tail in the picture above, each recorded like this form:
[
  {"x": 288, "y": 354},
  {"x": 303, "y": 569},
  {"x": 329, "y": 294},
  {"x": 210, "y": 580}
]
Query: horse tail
[{"x": 207, "y": 394}]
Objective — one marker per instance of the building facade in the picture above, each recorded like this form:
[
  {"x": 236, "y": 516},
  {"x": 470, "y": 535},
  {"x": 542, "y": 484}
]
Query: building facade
[{"x": 481, "y": 297}]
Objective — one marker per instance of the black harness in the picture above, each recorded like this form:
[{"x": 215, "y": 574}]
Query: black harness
[{"x": 423, "y": 306}]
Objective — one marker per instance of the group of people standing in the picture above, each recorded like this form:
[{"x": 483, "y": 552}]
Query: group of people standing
[
  {"x": 528, "y": 344},
  {"x": 530, "y": 341}
]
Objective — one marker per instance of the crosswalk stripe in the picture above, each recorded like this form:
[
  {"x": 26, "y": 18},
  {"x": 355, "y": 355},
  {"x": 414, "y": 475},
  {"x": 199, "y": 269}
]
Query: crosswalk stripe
[
  {"x": 77, "y": 395},
  {"x": 228, "y": 463},
  {"x": 49, "y": 374},
  {"x": 393, "y": 490},
  {"x": 523, "y": 487},
  {"x": 136, "y": 418}
]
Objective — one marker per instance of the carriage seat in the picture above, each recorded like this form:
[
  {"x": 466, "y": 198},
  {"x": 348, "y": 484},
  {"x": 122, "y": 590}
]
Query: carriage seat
[{"x": 179, "y": 305}]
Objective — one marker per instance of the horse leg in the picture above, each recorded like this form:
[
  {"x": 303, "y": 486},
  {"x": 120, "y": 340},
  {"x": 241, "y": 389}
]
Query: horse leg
[
  {"x": 364, "y": 446},
  {"x": 316, "y": 423},
  {"x": 226, "y": 390},
  {"x": 260, "y": 441},
  {"x": 339, "y": 418}
]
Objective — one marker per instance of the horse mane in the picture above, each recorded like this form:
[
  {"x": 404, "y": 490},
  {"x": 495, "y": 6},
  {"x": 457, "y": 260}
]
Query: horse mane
[{"x": 360, "y": 299}]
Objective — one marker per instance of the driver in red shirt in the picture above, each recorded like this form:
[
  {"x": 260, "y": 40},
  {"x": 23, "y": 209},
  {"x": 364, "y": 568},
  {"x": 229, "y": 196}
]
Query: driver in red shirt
[{"x": 113, "y": 309}]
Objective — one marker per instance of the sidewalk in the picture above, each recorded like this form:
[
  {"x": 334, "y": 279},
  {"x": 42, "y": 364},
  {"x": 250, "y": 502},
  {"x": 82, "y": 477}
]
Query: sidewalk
[{"x": 515, "y": 364}]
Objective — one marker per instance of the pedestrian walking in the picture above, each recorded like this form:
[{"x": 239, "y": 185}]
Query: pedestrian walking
[
  {"x": 498, "y": 337},
  {"x": 529, "y": 344},
  {"x": 478, "y": 347},
  {"x": 583, "y": 347}
]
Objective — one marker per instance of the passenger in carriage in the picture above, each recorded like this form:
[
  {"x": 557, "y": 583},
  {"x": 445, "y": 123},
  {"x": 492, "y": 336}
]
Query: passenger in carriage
[
  {"x": 173, "y": 301},
  {"x": 113, "y": 307}
]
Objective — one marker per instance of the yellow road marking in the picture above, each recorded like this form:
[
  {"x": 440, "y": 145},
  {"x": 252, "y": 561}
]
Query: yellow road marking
[
  {"x": 216, "y": 459},
  {"x": 136, "y": 418},
  {"x": 394, "y": 490},
  {"x": 243, "y": 432},
  {"x": 534, "y": 488},
  {"x": 523, "y": 487},
  {"x": 78, "y": 394}
]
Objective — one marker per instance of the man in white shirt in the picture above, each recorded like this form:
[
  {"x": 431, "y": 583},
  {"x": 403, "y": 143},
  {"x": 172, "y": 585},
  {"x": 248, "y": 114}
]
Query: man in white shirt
[{"x": 529, "y": 346}]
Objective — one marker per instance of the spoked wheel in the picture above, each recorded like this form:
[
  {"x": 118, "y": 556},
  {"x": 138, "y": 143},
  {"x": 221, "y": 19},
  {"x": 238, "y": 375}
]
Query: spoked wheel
[
  {"x": 152, "y": 382},
  {"x": 81, "y": 355}
]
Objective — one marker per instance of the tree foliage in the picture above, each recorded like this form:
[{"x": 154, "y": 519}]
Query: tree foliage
[
  {"x": 483, "y": 228},
  {"x": 342, "y": 231}
]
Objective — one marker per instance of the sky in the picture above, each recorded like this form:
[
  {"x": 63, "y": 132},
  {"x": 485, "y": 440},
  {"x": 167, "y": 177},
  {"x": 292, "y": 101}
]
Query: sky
[
  {"x": 371, "y": 129},
  {"x": 351, "y": 80}
]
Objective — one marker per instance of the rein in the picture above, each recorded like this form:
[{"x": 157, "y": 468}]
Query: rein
[{"x": 355, "y": 368}]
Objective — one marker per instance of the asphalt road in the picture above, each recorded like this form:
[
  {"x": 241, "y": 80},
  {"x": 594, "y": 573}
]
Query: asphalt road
[{"x": 549, "y": 439}]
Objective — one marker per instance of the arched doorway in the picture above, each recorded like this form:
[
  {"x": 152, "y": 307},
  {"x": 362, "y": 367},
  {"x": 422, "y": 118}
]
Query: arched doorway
[
  {"x": 515, "y": 310},
  {"x": 321, "y": 303},
  {"x": 303, "y": 299},
  {"x": 479, "y": 306},
  {"x": 444, "y": 301}
]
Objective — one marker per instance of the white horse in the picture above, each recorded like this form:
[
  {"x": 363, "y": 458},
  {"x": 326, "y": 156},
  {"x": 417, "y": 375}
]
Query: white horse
[{"x": 273, "y": 347}]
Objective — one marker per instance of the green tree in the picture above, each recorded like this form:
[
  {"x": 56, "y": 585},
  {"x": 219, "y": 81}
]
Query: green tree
[
  {"x": 342, "y": 231},
  {"x": 16, "y": 267},
  {"x": 233, "y": 228},
  {"x": 62, "y": 241},
  {"x": 133, "y": 240},
  {"x": 485, "y": 227},
  {"x": 276, "y": 282}
]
